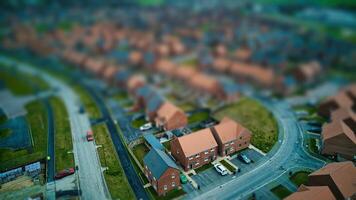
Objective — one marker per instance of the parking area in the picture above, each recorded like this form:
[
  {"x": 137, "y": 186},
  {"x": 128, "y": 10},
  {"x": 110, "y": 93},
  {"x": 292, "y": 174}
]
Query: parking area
[
  {"x": 210, "y": 178},
  {"x": 253, "y": 155}
]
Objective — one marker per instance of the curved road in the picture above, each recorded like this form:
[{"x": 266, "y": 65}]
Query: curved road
[
  {"x": 286, "y": 155},
  {"x": 92, "y": 183}
]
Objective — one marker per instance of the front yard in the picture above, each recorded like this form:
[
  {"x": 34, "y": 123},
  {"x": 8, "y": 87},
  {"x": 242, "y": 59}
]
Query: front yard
[
  {"x": 281, "y": 192},
  {"x": 251, "y": 114},
  {"x": 299, "y": 178},
  {"x": 140, "y": 151}
]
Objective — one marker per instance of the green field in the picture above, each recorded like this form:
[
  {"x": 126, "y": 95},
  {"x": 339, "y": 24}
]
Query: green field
[
  {"x": 37, "y": 119},
  {"x": 299, "y": 178},
  {"x": 63, "y": 136},
  {"x": 114, "y": 176},
  {"x": 251, "y": 114},
  {"x": 89, "y": 104},
  {"x": 140, "y": 151},
  {"x": 198, "y": 117},
  {"x": 281, "y": 192},
  {"x": 25, "y": 84}
]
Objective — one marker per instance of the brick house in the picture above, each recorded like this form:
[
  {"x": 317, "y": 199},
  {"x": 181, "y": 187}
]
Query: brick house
[
  {"x": 135, "y": 81},
  {"x": 339, "y": 177},
  {"x": 161, "y": 171},
  {"x": 308, "y": 72},
  {"x": 206, "y": 84},
  {"x": 194, "y": 150},
  {"x": 231, "y": 136},
  {"x": 338, "y": 136},
  {"x": 170, "y": 117},
  {"x": 312, "y": 192}
]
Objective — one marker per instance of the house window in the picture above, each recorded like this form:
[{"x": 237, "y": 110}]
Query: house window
[
  {"x": 206, "y": 160},
  {"x": 173, "y": 184},
  {"x": 173, "y": 176},
  {"x": 146, "y": 166},
  {"x": 154, "y": 178},
  {"x": 191, "y": 158},
  {"x": 212, "y": 150},
  {"x": 165, "y": 187},
  {"x": 227, "y": 144},
  {"x": 197, "y": 163},
  {"x": 232, "y": 143},
  {"x": 241, "y": 138},
  {"x": 231, "y": 149},
  {"x": 206, "y": 152},
  {"x": 197, "y": 156}
]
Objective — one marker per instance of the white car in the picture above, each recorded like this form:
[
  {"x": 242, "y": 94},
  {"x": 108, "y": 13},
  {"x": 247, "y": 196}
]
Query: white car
[
  {"x": 146, "y": 127},
  {"x": 221, "y": 169}
]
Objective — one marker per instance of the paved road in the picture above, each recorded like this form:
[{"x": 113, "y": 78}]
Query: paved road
[
  {"x": 285, "y": 156},
  {"x": 129, "y": 170},
  {"x": 91, "y": 179},
  {"x": 50, "y": 144}
]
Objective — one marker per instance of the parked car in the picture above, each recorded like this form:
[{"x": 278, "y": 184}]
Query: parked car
[
  {"x": 244, "y": 158},
  {"x": 183, "y": 178},
  {"x": 90, "y": 136},
  {"x": 220, "y": 169},
  {"x": 146, "y": 127},
  {"x": 64, "y": 173}
]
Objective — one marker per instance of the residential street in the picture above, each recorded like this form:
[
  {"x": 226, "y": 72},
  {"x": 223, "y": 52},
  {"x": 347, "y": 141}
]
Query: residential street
[
  {"x": 92, "y": 183},
  {"x": 285, "y": 156}
]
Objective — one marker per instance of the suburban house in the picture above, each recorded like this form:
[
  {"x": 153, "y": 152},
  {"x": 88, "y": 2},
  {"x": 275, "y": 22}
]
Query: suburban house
[
  {"x": 161, "y": 171},
  {"x": 221, "y": 64},
  {"x": 230, "y": 136},
  {"x": 339, "y": 177},
  {"x": 166, "y": 67},
  {"x": 338, "y": 136},
  {"x": 194, "y": 150},
  {"x": 136, "y": 58},
  {"x": 185, "y": 73},
  {"x": 345, "y": 98},
  {"x": 230, "y": 90},
  {"x": 154, "y": 102},
  {"x": 308, "y": 72},
  {"x": 121, "y": 78},
  {"x": 170, "y": 117},
  {"x": 243, "y": 54},
  {"x": 206, "y": 84},
  {"x": 135, "y": 81},
  {"x": 109, "y": 73},
  {"x": 312, "y": 192},
  {"x": 95, "y": 66}
]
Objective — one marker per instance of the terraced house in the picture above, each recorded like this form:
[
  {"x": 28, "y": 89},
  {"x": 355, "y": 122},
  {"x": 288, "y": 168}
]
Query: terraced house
[{"x": 161, "y": 171}]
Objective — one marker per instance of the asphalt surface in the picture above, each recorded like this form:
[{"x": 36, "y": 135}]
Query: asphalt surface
[
  {"x": 287, "y": 155},
  {"x": 91, "y": 179},
  {"x": 129, "y": 170},
  {"x": 51, "y": 167}
]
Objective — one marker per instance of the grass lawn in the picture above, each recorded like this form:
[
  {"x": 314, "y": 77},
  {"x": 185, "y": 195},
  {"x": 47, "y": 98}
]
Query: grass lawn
[
  {"x": 251, "y": 114},
  {"x": 114, "y": 176},
  {"x": 138, "y": 122},
  {"x": 228, "y": 166},
  {"x": 167, "y": 145},
  {"x": 280, "y": 191},
  {"x": 203, "y": 168},
  {"x": 37, "y": 119},
  {"x": 5, "y": 132},
  {"x": 63, "y": 136},
  {"x": 140, "y": 151},
  {"x": 170, "y": 195},
  {"x": 198, "y": 117},
  {"x": 187, "y": 106},
  {"x": 299, "y": 178},
  {"x": 88, "y": 103},
  {"x": 312, "y": 145},
  {"x": 20, "y": 83}
]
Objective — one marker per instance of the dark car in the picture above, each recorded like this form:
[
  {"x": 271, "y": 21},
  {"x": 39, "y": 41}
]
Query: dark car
[
  {"x": 64, "y": 173},
  {"x": 244, "y": 158}
]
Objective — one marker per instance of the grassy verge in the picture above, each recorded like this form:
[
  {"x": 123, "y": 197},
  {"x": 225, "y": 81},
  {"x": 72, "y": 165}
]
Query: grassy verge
[
  {"x": 312, "y": 145},
  {"x": 63, "y": 136},
  {"x": 37, "y": 120},
  {"x": 25, "y": 85},
  {"x": 280, "y": 191},
  {"x": 167, "y": 145},
  {"x": 140, "y": 151},
  {"x": 114, "y": 176},
  {"x": 170, "y": 195},
  {"x": 198, "y": 117},
  {"x": 228, "y": 166},
  {"x": 203, "y": 168},
  {"x": 138, "y": 122},
  {"x": 89, "y": 104},
  {"x": 299, "y": 178},
  {"x": 251, "y": 114}
]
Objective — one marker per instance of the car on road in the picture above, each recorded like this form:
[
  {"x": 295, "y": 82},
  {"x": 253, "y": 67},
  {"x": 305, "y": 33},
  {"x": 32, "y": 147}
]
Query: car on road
[
  {"x": 90, "y": 136},
  {"x": 64, "y": 173},
  {"x": 220, "y": 169},
  {"x": 146, "y": 127},
  {"x": 244, "y": 158}
]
